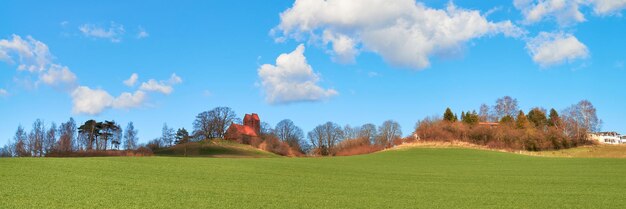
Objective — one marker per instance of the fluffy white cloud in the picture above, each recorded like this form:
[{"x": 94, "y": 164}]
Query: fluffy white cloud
[
  {"x": 57, "y": 75},
  {"x": 3, "y": 92},
  {"x": 565, "y": 12},
  {"x": 29, "y": 54},
  {"x": 132, "y": 80},
  {"x": 555, "y": 48},
  {"x": 34, "y": 56},
  {"x": 94, "y": 101},
  {"x": 165, "y": 87},
  {"x": 113, "y": 33},
  {"x": 292, "y": 80},
  {"x": 403, "y": 32}
]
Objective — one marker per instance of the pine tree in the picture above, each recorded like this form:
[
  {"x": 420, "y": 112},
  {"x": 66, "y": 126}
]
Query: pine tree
[
  {"x": 449, "y": 116},
  {"x": 554, "y": 119}
]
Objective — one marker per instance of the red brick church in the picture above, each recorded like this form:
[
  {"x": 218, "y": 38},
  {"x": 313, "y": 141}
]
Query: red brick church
[{"x": 251, "y": 128}]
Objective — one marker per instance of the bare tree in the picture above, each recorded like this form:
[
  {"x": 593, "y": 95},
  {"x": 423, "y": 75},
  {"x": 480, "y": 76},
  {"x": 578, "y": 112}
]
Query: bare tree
[
  {"x": 582, "y": 117},
  {"x": 130, "y": 137},
  {"x": 289, "y": 133},
  {"x": 21, "y": 147},
  {"x": 36, "y": 138},
  {"x": 213, "y": 123},
  {"x": 389, "y": 131},
  {"x": 167, "y": 135},
  {"x": 325, "y": 137},
  {"x": 484, "y": 113},
  {"x": 350, "y": 132},
  {"x": 50, "y": 139},
  {"x": 67, "y": 136},
  {"x": 506, "y": 106},
  {"x": 368, "y": 132}
]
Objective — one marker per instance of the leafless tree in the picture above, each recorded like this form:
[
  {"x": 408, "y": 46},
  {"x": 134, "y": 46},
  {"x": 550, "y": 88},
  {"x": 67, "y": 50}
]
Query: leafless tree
[
  {"x": 368, "y": 132},
  {"x": 130, "y": 137},
  {"x": 50, "y": 139},
  {"x": 350, "y": 132},
  {"x": 506, "y": 106},
  {"x": 325, "y": 137},
  {"x": 167, "y": 135},
  {"x": 67, "y": 136},
  {"x": 36, "y": 138},
  {"x": 485, "y": 113},
  {"x": 21, "y": 147},
  {"x": 581, "y": 117},
  {"x": 388, "y": 132},
  {"x": 289, "y": 133},
  {"x": 213, "y": 123}
]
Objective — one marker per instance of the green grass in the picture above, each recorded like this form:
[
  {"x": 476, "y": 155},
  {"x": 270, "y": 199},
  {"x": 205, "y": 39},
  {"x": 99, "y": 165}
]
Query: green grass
[
  {"x": 409, "y": 178},
  {"x": 215, "y": 148}
]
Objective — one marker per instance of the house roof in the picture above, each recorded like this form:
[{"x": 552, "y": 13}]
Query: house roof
[{"x": 244, "y": 130}]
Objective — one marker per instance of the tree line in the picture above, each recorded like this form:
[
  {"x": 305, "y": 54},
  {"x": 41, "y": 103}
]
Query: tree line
[
  {"x": 504, "y": 125},
  {"x": 68, "y": 137}
]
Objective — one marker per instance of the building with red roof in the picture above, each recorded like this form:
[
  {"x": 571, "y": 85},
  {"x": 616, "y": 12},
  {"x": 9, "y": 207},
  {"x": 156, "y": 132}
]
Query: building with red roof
[{"x": 251, "y": 128}]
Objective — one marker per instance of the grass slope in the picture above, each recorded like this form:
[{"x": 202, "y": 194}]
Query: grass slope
[
  {"x": 597, "y": 151},
  {"x": 407, "y": 178},
  {"x": 215, "y": 148}
]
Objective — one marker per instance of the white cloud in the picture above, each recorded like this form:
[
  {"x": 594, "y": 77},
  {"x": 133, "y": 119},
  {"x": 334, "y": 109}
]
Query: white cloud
[
  {"x": 132, "y": 80},
  {"x": 57, "y": 75},
  {"x": 142, "y": 33},
  {"x": 549, "y": 49},
  {"x": 165, "y": 87},
  {"x": 3, "y": 92},
  {"x": 94, "y": 101},
  {"x": 565, "y": 12},
  {"x": 403, "y": 32},
  {"x": 30, "y": 54},
  {"x": 608, "y": 7},
  {"x": 292, "y": 80},
  {"x": 34, "y": 56},
  {"x": 113, "y": 33}
]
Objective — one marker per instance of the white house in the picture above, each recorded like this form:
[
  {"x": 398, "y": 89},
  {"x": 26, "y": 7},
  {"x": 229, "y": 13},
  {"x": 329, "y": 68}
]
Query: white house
[{"x": 608, "y": 137}]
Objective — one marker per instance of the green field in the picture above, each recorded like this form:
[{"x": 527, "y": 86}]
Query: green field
[{"x": 409, "y": 178}]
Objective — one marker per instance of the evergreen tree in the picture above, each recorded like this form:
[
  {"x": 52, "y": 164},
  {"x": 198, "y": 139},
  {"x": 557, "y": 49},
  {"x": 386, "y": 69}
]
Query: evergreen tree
[
  {"x": 449, "y": 116},
  {"x": 537, "y": 117},
  {"x": 522, "y": 122},
  {"x": 554, "y": 119}
]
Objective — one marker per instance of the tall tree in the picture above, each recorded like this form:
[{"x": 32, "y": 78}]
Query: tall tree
[
  {"x": 167, "y": 135},
  {"x": 325, "y": 137},
  {"x": 50, "y": 139},
  {"x": 213, "y": 123},
  {"x": 20, "y": 146},
  {"x": 368, "y": 132},
  {"x": 130, "y": 137},
  {"x": 506, "y": 106},
  {"x": 449, "y": 116},
  {"x": 388, "y": 132},
  {"x": 36, "y": 138},
  {"x": 289, "y": 133},
  {"x": 554, "y": 119},
  {"x": 182, "y": 136},
  {"x": 521, "y": 121},
  {"x": 67, "y": 136},
  {"x": 90, "y": 131},
  {"x": 537, "y": 117},
  {"x": 484, "y": 113}
]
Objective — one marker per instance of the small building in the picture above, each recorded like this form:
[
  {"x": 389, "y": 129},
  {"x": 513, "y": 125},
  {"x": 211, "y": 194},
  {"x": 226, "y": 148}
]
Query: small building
[
  {"x": 607, "y": 137},
  {"x": 622, "y": 139},
  {"x": 243, "y": 133}
]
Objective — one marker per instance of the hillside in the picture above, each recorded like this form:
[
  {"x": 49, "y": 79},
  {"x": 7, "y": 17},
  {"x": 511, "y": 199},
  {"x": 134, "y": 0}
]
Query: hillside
[
  {"x": 405, "y": 178},
  {"x": 215, "y": 148}
]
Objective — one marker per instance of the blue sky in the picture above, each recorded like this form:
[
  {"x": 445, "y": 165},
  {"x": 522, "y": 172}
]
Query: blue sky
[{"x": 338, "y": 61}]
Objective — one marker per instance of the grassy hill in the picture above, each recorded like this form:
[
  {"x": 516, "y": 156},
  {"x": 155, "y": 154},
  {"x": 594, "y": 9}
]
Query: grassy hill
[
  {"x": 405, "y": 178},
  {"x": 215, "y": 148}
]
